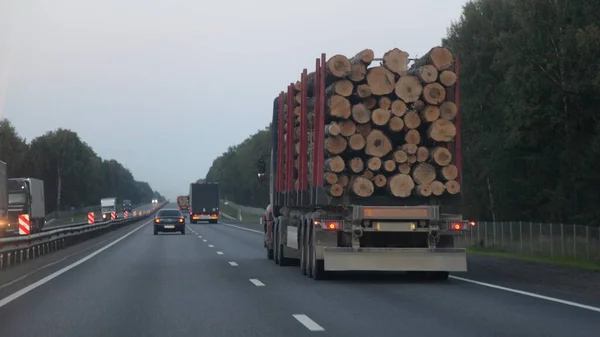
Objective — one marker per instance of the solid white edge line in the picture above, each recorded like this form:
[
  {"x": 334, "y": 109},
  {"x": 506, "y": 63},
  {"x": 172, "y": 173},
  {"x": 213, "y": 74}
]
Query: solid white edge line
[
  {"x": 525, "y": 293},
  {"x": 308, "y": 323},
  {"x": 257, "y": 282},
  {"x": 57, "y": 273},
  {"x": 489, "y": 285},
  {"x": 233, "y": 264},
  {"x": 243, "y": 228},
  {"x": 220, "y": 253}
]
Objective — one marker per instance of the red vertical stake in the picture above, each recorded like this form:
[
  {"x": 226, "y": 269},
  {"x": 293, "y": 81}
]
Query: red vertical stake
[
  {"x": 303, "y": 162},
  {"x": 320, "y": 129},
  {"x": 290, "y": 139},
  {"x": 457, "y": 121}
]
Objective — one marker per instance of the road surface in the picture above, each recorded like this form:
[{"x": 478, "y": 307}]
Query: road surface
[{"x": 216, "y": 281}]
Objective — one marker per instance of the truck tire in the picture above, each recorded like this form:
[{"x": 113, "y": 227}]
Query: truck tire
[
  {"x": 283, "y": 261},
  {"x": 275, "y": 241},
  {"x": 303, "y": 249},
  {"x": 317, "y": 267}
]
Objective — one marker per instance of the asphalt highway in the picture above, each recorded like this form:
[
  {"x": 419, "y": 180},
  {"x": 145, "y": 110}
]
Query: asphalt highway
[{"x": 216, "y": 281}]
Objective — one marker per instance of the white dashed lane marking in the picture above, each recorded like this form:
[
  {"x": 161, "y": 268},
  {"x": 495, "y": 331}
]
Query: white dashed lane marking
[
  {"x": 308, "y": 323},
  {"x": 256, "y": 282}
]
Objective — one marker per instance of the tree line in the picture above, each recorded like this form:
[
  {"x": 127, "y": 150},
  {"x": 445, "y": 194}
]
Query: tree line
[
  {"x": 73, "y": 174},
  {"x": 530, "y": 92}
]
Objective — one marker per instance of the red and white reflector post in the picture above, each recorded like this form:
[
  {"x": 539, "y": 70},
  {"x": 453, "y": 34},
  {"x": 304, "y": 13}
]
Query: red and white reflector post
[
  {"x": 24, "y": 225},
  {"x": 113, "y": 215},
  {"x": 91, "y": 218},
  {"x": 134, "y": 213},
  {"x": 125, "y": 215}
]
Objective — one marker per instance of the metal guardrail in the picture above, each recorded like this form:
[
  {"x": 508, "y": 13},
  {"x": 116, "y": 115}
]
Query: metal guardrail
[{"x": 16, "y": 250}]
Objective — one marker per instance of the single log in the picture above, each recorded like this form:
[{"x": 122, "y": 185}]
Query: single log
[
  {"x": 426, "y": 73},
  {"x": 347, "y": 127},
  {"x": 430, "y": 113},
  {"x": 396, "y": 124},
  {"x": 358, "y": 73},
  {"x": 378, "y": 144},
  {"x": 412, "y": 137},
  {"x": 370, "y": 102},
  {"x": 381, "y": 117},
  {"x": 434, "y": 93},
  {"x": 398, "y": 108},
  {"x": 356, "y": 165},
  {"x": 441, "y": 156},
  {"x": 439, "y": 57},
  {"x": 384, "y": 103},
  {"x": 297, "y": 111},
  {"x": 335, "y": 145},
  {"x": 381, "y": 80},
  {"x": 453, "y": 187},
  {"x": 449, "y": 172},
  {"x": 404, "y": 168},
  {"x": 389, "y": 165},
  {"x": 374, "y": 163},
  {"x": 363, "y": 90},
  {"x": 335, "y": 164},
  {"x": 442, "y": 130},
  {"x": 357, "y": 142},
  {"x": 362, "y": 187},
  {"x": 408, "y": 88},
  {"x": 447, "y": 78},
  {"x": 422, "y": 154},
  {"x": 368, "y": 174},
  {"x": 340, "y": 87},
  {"x": 423, "y": 190},
  {"x": 343, "y": 180},
  {"x": 361, "y": 114},
  {"x": 410, "y": 148},
  {"x": 335, "y": 190},
  {"x": 448, "y": 110},
  {"x": 298, "y": 98},
  {"x": 331, "y": 178},
  {"x": 401, "y": 185},
  {"x": 417, "y": 105},
  {"x": 339, "y": 106},
  {"x": 412, "y": 120},
  {"x": 379, "y": 180},
  {"x": 332, "y": 129},
  {"x": 364, "y": 129},
  {"x": 412, "y": 158},
  {"x": 338, "y": 66},
  {"x": 365, "y": 57},
  {"x": 298, "y": 85},
  {"x": 437, "y": 188},
  {"x": 396, "y": 61},
  {"x": 400, "y": 156},
  {"x": 424, "y": 174}
]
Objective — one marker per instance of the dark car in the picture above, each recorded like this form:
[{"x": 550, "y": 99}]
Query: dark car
[{"x": 169, "y": 220}]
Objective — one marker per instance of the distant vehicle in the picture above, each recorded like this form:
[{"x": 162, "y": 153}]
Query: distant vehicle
[
  {"x": 127, "y": 206},
  {"x": 26, "y": 197},
  {"x": 169, "y": 220},
  {"x": 204, "y": 202},
  {"x": 183, "y": 202},
  {"x": 108, "y": 206},
  {"x": 3, "y": 198}
]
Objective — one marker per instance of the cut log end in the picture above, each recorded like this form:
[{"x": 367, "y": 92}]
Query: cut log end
[
  {"x": 440, "y": 57},
  {"x": 343, "y": 88},
  {"x": 389, "y": 166},
  {"x": 378, "y": 144},
  {"x": 412, "y": 137},
  {"x": 400, "y": 156},
  {"x": 442, "y": 130},
  {"x": 423, "y": 190},
  {"x": 335, "y": 145},
  {"x": 381, "y": 117},
  {"x": 426, "y": 74},
  {"x": 434, "y": 93},
  {"x": 339, "y": 66},
  {"x": 424, "y": 174},
  {"x": 357, "y": 142},
  {"x": 331, "y": 178},
  {"x": 332, "y": 129},
  {"x": 362, "y": 187},
  {"x": 453, "y": 187},
  {"x": 412, "y": 120},
  {"x": 380, "y": 180},
  {"x": 448, "y": 78},
  {"x": 381, "y": 81},
  {"x": 339, "y": 107},
  {"x": 335, "y": 164},
  {"x": 361, "y": 114},
  {"x": 449, "y": 172},
  {"x": 441, "y": 156},
  {"x": 401, "y": 185},
  {"x": 347, "y": 128},
  {"x": 364, "y": 129},
  {"x": 448, "y": 110},
  {"x": 335, "y": 190},
  {"x": 437, "y": 188},
  {"x": 384, "y": 103},
  {"x": 374, "y": 163},
  {"x": 430, "y": 114},
  {"x": 410, "y": 148},
  {"x": 396, "y": 124},
  {"x": 343, "y": 180},
  {"x": 363, "y": 90},
  {"x": 422, "y": 154},
  {"x": 370, "y": 102},
  {"x": 356, "y": 165},
  {"x": 396, "y": 61},
  {"x": 358, "y": 72},
  {"x": 408, "y": 88},
  {"x": 368, "y": 174},
  {"x": 398, "y": 108},
  {"x": 404, "y": 168}
]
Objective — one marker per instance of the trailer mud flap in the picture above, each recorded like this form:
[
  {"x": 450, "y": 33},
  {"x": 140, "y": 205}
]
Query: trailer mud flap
[{"x": 395, "y": 259}]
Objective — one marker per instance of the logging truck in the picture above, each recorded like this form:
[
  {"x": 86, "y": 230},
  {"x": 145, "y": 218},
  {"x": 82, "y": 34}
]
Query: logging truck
[{"x": 365, "y": 167}]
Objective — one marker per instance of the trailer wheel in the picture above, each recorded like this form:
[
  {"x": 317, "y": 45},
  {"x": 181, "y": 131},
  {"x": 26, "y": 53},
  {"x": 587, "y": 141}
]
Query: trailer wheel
[
  {"x": 317, "y": 266},
  {"x": 283, "y": 261},
  {"x": 276, "y": 241}
]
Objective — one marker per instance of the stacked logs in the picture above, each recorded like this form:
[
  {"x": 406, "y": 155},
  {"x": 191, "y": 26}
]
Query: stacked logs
[{"x": 388, "y": 128}]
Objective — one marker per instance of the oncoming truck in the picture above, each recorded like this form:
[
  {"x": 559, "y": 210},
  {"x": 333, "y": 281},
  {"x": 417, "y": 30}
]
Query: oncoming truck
[{"x": 368, "y": 181}]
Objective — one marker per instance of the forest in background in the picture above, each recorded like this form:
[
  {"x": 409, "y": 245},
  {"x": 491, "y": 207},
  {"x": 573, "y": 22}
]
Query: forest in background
[
  {"x": 73, "y": 174},
  {"x": 530, "y": 95}
]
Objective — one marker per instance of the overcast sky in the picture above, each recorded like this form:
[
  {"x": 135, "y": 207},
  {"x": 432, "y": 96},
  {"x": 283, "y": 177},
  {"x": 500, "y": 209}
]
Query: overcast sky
[{"x": 165, "y": 86}]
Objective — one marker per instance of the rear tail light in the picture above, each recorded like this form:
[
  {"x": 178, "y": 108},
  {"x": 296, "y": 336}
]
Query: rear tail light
[
  {"x": 328, "y": 225},
  {"x": 472, "y": 223}
]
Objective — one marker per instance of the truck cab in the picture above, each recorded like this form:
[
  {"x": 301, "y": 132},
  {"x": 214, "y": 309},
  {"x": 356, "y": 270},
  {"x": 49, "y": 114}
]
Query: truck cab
[
  {"x": 108, "y": 207},
  {"x": 26, "y": 197},
  {"x": 127, "y": 206}
]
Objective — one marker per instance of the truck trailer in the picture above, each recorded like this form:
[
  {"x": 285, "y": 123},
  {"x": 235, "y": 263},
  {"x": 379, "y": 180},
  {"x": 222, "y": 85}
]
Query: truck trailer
[
  {"x": 310, "y": 219},
  {"x": 108, "y": 207},
  {"x": 204, "y": 202},
  {"x": 26, "y": 197},
  {"x": 3, "y": 198}
]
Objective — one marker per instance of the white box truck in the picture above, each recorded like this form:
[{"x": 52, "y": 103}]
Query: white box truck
[
  {"x": 26, "y": 196},
  {"x": 108, "y": 206}
]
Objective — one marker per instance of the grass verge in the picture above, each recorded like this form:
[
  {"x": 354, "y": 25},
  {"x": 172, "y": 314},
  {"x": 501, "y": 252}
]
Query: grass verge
[
  {"x": 563, "y": 262},
  {"x": 232, "y": 211}
]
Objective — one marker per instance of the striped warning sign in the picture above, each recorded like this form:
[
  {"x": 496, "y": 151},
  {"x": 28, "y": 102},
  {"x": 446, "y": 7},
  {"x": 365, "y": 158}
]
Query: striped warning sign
[
  {"x": 91, "y": 218},
  {"x": 134, "y": 213},
  {"x": 24, "y": 225},
  {"x": 113, "y": 215},
  {"x": 125, "y": 215}
]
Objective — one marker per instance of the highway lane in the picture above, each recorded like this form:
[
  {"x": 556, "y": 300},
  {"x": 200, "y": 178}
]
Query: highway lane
[{"x": 215, "y": 281}]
